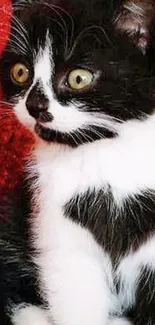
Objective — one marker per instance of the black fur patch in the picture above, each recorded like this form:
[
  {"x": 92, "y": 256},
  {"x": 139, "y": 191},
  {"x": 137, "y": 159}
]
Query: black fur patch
[
  {"x": 117, "y": 230},
  {"x": 73, "y": 139},
  {"x": 18, "y": 273}
]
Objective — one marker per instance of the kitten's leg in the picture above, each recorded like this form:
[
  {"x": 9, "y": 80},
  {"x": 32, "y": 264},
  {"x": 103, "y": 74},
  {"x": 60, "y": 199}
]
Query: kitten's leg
[
  {"x": 136, "y": 275},
  {"x": 29, "y": 315},
  {"x": 143, "y": 311},
  {"x": 80, "y": 293},
  {"x": 77, "y": 278}
]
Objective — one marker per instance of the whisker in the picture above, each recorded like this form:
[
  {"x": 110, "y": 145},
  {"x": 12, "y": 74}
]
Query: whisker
[
  {"x": 19, "y": 32},
  {"x": 18, "y": 48},
  {"x": 99, "y": 134},
  {"x": 64, "y": 28},
  {"x": 58, "y": 10},
  {"x": 15, "y": 43},
  {"x": 73, "y": 138},
  {"x": 65, "y": 25},
  {"x": 86, "y": 32},
  {"x": 13, "y": 49},
  {"x": 20, "y": 44},
  {"x": 6, "y": 103},
  {"x": 21, "y": 26},
  {"x": 87, "y": 137}
]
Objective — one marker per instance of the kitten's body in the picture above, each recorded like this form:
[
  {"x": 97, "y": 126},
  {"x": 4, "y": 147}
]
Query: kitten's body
[
  {"x": 84, "y": 187},
  {"x": 93, "y": 223}
]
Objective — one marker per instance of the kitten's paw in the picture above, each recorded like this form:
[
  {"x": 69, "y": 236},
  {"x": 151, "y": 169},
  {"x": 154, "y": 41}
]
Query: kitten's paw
[
  {"x": 120, "y": 321},
  {"x": 30, "y": 315}
]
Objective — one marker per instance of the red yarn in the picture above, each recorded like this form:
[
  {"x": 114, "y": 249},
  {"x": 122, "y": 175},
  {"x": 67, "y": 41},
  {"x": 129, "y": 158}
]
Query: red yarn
[
  {"x": 15, "y": 144},
  {"x": 15, "y": 141},
  {"x": 5, "y": 16}
]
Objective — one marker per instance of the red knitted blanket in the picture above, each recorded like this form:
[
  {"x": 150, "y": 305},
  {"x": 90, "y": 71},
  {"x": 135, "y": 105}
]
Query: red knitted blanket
[{"x": 15, "y": 140}]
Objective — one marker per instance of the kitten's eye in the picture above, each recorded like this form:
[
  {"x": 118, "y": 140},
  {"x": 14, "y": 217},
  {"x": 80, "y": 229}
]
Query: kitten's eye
[
  {"x": 80, "y": 79},
  {"x": 19, "y": 74}
]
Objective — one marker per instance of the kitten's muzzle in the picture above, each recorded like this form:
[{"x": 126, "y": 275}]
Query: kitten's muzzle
[{"x": 37, "y": 104}]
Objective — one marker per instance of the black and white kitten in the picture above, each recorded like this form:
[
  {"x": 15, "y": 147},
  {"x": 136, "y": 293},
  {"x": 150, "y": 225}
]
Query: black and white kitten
[{"x": 89, "y": 93}]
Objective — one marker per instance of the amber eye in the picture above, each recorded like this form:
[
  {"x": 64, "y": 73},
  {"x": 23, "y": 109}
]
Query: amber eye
[
  {"x": 19, "y": 74},
  {"x": 80, "y": 79}
]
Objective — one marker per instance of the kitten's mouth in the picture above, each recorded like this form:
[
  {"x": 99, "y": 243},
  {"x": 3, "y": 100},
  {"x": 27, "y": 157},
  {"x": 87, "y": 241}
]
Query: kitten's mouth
[
  {"x": 41, "y": 127},
  {"x": 50, "y": 135},
  {"x": 73, "y": 139},
  {"x": 44, "y": 117},
  {"x": 41, "y": 130}
]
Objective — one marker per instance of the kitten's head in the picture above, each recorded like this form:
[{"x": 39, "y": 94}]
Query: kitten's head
[{"x": 70, "y": 76}]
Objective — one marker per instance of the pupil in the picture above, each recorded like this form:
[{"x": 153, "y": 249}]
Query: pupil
[
  {"x": 78, "y": 80},
  {"x": 20, "y": 73}
]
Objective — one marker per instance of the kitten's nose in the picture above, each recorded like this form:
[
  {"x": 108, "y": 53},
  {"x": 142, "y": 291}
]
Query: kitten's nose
[{"x": 36, "y": 103}]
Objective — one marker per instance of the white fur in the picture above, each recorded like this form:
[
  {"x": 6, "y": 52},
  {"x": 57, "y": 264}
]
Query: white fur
[
  {"x": 76, "y": 274},
  {"x": 119, "y": 321},
  {"x": 122, "y": 163},
  {"x": 44, "y": 67},
  {"x": 23, "y": 115},
  {"x": 130, "y": 269},
  {"x": 30, "y": 315}
]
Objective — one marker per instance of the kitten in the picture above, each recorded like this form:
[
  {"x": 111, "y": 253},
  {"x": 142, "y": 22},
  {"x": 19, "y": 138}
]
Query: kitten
[{"x": 87, "y": 90}]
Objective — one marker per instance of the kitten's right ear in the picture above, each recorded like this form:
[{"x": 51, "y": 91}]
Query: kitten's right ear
[{"x": 135, "y": 18}]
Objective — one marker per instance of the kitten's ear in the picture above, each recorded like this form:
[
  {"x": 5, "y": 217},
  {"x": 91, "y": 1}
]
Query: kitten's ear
[{"x": 135, "y": 19}]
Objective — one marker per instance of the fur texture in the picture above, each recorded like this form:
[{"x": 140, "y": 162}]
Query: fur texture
[{"x": 90, "y": 227}]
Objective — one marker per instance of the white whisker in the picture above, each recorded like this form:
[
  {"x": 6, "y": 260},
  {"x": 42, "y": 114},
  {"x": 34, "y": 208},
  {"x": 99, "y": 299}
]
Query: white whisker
[{"x": 6, "y": 103}]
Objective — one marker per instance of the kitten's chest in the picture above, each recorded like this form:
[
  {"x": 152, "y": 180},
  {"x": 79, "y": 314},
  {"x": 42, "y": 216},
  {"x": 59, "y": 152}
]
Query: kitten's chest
[
  {"x": 62, "y": 175},
  {"x": 125, "y": 164},
  {"x": 92, "y": 187}
]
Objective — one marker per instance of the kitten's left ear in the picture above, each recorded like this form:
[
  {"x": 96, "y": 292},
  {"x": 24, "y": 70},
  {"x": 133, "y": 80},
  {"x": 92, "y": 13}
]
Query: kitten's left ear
[{"x": 135, "y": 18}]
